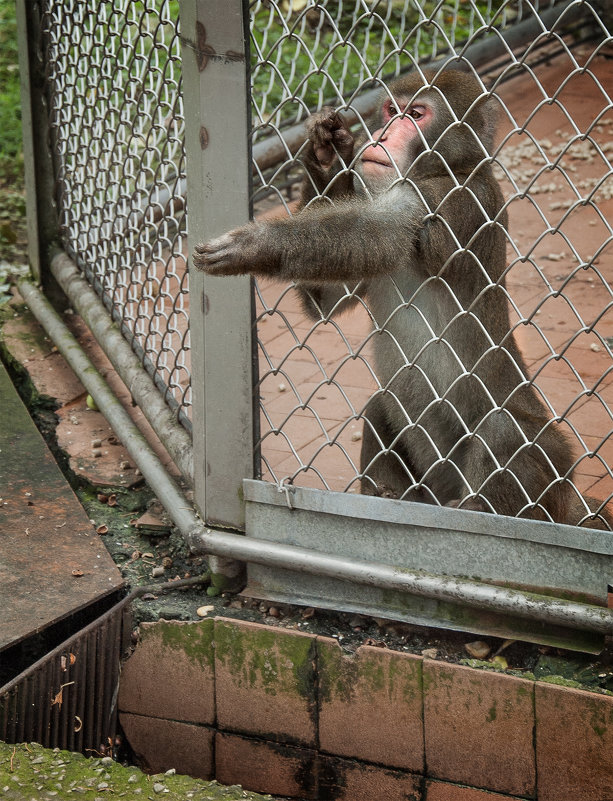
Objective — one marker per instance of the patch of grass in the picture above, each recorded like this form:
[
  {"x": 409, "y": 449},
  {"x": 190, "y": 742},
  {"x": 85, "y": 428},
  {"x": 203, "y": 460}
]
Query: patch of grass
[
  {"x": 319, "y": 54},
  {"x": 11, "y": 156},
  {"x": 12, "y": 202}
]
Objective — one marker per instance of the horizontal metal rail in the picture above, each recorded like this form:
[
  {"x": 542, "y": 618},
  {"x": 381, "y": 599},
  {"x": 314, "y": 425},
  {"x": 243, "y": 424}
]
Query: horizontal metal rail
[
  {"x": 204, "y": 540},
  {"x": 87, "y": 303},
  {"x": 122, "y": 424}
]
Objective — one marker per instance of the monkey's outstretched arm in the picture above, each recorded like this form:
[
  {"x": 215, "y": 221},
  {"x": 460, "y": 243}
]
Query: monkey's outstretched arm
[{"x": 351, "y": 241}]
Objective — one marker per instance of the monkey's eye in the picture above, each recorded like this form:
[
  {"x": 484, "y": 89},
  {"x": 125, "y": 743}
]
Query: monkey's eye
[
  {"x": 415, "y": 112},
  {"x": 392, "y": 110}
]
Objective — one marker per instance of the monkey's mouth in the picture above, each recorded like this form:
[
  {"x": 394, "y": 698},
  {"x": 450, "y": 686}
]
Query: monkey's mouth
[{"x": 382, "y": 162}]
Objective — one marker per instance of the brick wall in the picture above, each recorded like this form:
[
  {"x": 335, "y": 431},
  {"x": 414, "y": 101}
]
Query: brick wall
[{"x": 288, "y": 713}]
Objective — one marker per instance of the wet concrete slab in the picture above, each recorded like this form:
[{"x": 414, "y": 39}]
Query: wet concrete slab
[{"x": 52, "y": 563}]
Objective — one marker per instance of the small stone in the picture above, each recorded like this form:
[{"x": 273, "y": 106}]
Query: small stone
[
  {"x": 478, "y": 649},
  {"x": 96, "y": 443},
  {"x": 430, "y": 653},
  {"x": 158, "y": 788},
  {"x": 96, "y": 453},
  {"x": 157, "y": 572},
  {"x": 124, "y": 465},
  {"x": 274, "y": 612},
  {"x": 203, "y": 611},
  {"x": 356, "y": 436}
]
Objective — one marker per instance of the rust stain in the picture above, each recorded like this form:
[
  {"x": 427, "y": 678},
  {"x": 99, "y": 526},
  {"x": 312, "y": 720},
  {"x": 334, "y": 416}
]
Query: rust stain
[
  {"x": 203, "y": 50},
  {"x": 204, "y": 138}
]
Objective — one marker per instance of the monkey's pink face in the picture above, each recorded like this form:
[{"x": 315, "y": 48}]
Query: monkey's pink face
[{"x": 397, "y": 140}]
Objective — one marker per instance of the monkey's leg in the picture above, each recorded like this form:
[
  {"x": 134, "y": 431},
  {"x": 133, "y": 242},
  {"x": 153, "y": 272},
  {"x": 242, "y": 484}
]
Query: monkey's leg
[
  {"x": 385, "y": 472},
  {"x": 511, "y": 476}
]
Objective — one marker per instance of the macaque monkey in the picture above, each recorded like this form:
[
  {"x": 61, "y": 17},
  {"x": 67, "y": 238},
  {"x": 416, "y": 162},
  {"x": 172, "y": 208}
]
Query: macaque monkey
[{"x": 413, "y": 220}]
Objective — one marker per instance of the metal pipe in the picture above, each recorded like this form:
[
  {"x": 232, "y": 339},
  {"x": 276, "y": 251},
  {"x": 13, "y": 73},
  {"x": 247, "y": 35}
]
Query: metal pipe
[
  {"x": 122, "y": 424},
  {"x": 87, "y": 303},
  {"x": 201, "y": 539},
  {"x": 475, "y": 594}
]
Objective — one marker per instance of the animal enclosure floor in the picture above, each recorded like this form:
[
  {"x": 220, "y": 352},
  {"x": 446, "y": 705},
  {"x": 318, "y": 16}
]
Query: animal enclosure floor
[
  {"x": 316, "y": 378},
  {"x": 52, "y": 563}
]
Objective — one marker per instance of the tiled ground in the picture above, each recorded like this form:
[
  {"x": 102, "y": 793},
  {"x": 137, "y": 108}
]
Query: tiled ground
[{"x": 316, "y": 378}]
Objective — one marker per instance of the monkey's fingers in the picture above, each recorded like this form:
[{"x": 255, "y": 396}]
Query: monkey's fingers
[
  {"x": 343, "y": 141},
  {"x": 218, "y": 257},
  {"x": 328, "y": 134}
]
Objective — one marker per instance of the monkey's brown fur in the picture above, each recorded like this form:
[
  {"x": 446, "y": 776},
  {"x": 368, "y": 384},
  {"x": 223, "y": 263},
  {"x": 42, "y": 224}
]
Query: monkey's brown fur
[{"x": 455, "y": 420}]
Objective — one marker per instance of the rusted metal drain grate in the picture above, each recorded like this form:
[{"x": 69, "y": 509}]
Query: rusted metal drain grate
[{"x": 67, "y": 699}]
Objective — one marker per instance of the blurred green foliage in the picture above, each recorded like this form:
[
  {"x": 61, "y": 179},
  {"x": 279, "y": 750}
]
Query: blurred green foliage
[{"x": 11, "y": 157}]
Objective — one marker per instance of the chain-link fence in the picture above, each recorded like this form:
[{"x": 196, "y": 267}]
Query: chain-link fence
[
  {"x": 114, "y": 89},
  {"x": 113, "y": 81},
  {"x": 551, "y": 75}
]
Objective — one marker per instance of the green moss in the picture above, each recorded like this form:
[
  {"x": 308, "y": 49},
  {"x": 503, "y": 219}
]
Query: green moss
[
  {"x": 561, "y": 681},
  {"x": 480, "y": 664},
  {"x": 31, "y": 771},
  {"x": 194, "y": 639},
  {"x": 276, "y": 661},
  {"x": 341, "y": 676}
]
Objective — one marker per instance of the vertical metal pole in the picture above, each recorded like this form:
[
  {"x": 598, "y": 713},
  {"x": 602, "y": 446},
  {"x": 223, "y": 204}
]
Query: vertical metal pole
[
  {"x": 38, "y": 159},
  {"x": 215, "y": 75}
]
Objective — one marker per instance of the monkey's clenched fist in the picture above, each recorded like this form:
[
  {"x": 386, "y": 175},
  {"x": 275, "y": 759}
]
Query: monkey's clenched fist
[{"x": 329, "y": 135}]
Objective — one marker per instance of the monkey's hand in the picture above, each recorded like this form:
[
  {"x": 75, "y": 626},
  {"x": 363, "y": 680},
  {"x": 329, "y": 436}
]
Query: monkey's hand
[
  {"x": 234, "y": 253},
  {"x": 329, "y": 136}
]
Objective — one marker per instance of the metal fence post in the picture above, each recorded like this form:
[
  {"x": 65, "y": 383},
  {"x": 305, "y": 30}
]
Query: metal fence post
[
  {"x": 38, "y": 159},
  {"x": 215, "y": 73}
]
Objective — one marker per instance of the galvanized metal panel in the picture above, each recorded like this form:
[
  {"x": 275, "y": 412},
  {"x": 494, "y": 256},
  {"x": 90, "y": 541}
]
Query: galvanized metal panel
[
  {"x": 217, "y": 144},
  {"x": 551, "y": 559}
]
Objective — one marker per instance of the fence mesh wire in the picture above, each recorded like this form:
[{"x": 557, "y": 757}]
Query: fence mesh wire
[
  {"x": 553, "y": 160},
  {"x": 116, "y": 106},
  {"x": 117, "y": 123}
]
